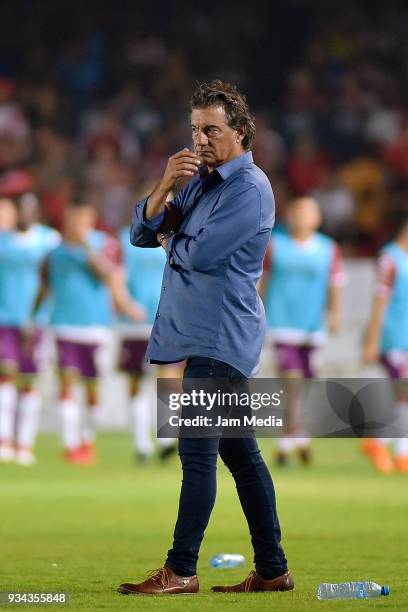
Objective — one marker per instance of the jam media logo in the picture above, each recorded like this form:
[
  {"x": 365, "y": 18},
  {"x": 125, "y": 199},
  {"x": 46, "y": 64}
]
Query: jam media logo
[{"x": 366, "y": 412}]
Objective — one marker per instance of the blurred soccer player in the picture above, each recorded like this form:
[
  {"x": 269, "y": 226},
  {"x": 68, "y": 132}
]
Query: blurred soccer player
[
  {"x": 301, "y": 286},
  {"x": 144, "y": 272},
  {"x": 81, "y": 273},
  {"x": 387, "y": 340},
  {"x": 24, "y": 243}
]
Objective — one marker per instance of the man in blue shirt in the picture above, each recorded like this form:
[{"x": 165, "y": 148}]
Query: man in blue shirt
[{"x": 210, "y": 314}]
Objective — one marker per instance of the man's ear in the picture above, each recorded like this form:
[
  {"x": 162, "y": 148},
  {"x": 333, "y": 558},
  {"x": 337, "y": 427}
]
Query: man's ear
[{"x": 240, "y": 135}]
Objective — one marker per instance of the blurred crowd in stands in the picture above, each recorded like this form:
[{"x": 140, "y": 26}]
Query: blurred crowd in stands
[{"x": 100, "y": 94}]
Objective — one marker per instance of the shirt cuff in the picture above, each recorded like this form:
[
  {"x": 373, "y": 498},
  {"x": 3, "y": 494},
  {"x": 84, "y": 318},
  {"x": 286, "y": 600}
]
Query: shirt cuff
[{"x": 152, "y": 224}]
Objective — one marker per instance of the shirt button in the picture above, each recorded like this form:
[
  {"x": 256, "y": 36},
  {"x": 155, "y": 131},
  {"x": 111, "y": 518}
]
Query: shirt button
[
  {"x": 158, "y": 315},
  {"x": 164, "y": 288}
]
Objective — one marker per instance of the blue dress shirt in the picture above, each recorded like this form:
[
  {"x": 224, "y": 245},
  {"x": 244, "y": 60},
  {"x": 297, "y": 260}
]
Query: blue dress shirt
[{"x": 209, "y": 305}]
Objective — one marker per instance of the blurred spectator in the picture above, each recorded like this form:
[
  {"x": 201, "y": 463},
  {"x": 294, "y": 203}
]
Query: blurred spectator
[
  {"x": 397, "y": 156},
  {"x": 14, "y": 127},
  {"x": 383, "y": 126},
  {"x": 12, "y": 121},
  {"x": 364, "y": 177},
  {"x": 306, "y": 167},
  {"x": 15, "y": 182},
  {"x": 269, "y": 148},
  {"x": 81, "y": 66},
  {"x": 111, "y": 179},
  {"x": 337, "y": 207}
]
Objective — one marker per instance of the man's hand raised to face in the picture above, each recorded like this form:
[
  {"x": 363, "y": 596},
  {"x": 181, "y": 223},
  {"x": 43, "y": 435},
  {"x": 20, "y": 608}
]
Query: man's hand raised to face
[{"x": 181, "y": 164}]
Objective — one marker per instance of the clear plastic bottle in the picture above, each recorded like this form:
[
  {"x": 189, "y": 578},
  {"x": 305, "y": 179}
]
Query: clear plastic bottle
[
  {"x": 351, "y": 590},
  {"x": 227, "y": 560}
]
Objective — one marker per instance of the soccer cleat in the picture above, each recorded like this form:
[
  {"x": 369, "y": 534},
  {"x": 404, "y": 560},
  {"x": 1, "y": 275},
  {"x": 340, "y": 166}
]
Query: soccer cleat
[
  {"x": 254, "y": 583},
  {"x": 380, "y": 456},
  {"x": 282, "y": 459},
  {"x": 401, "y": 463},
  {"x": 305, "y": 455},
  {"x": 162, "y": 582},
  {"x": 142, "y": 458},
  {"x": 7, "y": 453},
  {"x": 167, "y": 452},
  {"x": 88, "y": 449},
  {"x": 78, "y": 456},
  {"x": 25, "y": 456},
  {"x": 368, "y": 446}
]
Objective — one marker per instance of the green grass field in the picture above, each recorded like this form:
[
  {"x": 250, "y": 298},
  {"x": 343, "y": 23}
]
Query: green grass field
[{"x": 85, "y": 530}]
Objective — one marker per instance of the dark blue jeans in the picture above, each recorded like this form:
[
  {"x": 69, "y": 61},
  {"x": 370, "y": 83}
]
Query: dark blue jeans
[{"x": 253, "y": 481}]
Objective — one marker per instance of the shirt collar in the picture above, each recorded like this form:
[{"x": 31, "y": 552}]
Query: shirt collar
[{"x": 225, "y": 170}]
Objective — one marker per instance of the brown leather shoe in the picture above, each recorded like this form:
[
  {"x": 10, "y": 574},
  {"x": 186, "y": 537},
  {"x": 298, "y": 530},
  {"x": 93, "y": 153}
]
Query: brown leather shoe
[
  {"x": 162, "y": 582},
  {"x": 255, "y": 583}
]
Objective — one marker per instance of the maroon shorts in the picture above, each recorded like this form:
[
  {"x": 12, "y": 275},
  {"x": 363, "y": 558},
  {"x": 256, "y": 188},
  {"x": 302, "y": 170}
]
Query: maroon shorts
[
  {"x": 293, "y": 358},
  {"x": 78, "y": 356},
  {"x": 19, "y": 351},
  {"x": 131, "y": 355},
  {"x": 395, "y": 371}
]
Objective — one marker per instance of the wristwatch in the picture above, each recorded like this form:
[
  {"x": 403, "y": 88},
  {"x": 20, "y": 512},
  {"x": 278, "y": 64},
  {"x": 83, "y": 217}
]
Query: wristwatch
[{"x": 161, "y": 236}]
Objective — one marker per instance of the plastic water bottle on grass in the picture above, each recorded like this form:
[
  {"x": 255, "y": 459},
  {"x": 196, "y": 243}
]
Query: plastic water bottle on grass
[
  {"x": 227, "y": 561},
  {"x": 351, "y": 590}
]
